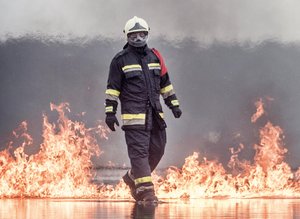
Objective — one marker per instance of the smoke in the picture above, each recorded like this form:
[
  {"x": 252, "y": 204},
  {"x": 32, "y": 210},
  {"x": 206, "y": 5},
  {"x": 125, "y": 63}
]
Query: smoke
[{"x": 204, "y": 21}]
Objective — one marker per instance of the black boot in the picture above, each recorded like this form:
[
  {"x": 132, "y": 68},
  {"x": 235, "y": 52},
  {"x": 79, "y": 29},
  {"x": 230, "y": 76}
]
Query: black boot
[
  {"x": 129, "y": 181},
  {"x": 146, "y": 194}
]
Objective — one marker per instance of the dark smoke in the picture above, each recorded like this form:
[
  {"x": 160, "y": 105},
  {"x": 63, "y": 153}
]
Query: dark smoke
[{"x": 217, "y": 86}]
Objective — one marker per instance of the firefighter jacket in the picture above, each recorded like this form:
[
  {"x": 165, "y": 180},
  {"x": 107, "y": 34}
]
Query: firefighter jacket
[{"x": 138, "y": 76}]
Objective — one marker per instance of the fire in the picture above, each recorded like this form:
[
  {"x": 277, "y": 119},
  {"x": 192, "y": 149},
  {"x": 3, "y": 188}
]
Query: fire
[
  {"x": 63, "y": 168},
  {"x": 259, "y": 110},
  {"x": 268, "y": 176}
]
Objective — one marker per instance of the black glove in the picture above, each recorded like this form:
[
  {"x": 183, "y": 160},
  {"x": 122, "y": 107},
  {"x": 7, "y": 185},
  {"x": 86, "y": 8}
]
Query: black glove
[
  {"x": 176, "y": 112},
  {"x": 111, "y": 120}
]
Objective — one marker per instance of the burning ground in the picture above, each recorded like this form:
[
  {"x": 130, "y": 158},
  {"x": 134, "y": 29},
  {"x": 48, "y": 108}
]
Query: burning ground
[{"x": 62, "y": 167}]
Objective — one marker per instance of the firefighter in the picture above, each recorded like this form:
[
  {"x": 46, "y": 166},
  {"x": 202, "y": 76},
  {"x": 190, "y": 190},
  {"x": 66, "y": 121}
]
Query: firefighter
[{"x": 137, "y": 77}]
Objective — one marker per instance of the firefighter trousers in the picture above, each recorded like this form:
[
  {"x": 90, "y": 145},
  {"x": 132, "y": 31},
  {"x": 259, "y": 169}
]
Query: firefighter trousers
[{"x": 145, "y": 150}]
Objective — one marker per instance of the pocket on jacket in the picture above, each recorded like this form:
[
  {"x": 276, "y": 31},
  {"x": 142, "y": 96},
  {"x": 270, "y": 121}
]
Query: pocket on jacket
[{"x": 134, "y": 82}]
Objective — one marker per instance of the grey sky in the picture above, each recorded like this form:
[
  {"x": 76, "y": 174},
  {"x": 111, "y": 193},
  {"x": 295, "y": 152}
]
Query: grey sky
[{"x": 205, "y": 20}]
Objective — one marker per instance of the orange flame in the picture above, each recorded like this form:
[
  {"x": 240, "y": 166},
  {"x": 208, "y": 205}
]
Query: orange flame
[
  {"x": 259, "y": 110},
  {"x": 62, "y": 167},
  {"x": 269, "y": 175}
]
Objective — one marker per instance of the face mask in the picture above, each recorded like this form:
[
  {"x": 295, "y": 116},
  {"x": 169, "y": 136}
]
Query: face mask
[{"x": 137, "y": 39}]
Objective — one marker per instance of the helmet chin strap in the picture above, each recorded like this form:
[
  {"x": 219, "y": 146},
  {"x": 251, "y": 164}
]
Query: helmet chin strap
[{"x": 138, "y": 43}]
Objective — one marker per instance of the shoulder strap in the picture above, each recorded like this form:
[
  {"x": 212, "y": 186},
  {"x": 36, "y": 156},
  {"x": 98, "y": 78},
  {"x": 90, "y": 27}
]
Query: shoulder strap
[{"x": 164, "y": 69}]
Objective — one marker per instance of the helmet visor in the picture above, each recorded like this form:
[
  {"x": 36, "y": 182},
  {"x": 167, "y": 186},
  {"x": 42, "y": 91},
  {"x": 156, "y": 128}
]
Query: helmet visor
[{"x": 136, "y": 36}]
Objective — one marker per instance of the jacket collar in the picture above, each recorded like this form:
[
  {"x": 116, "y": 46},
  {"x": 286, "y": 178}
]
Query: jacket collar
[{"x": 139, "y": 50}]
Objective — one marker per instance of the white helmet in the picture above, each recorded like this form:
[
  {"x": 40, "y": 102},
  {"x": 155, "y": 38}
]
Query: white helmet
[{"x": 136, "y": 24}]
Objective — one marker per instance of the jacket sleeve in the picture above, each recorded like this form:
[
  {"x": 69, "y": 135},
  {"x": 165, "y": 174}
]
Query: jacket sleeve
[
  {"x": 167, "y": 90},
  {"x": 113, "y": 87}
]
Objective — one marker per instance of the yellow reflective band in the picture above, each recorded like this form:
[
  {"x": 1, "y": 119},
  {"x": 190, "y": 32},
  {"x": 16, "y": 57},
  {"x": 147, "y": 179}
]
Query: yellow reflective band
[
  {"x": 175, "y": 102},
  {"x": 109, "y": 109},
  {"x": 166, "y": 89},
  {"x": 143, "y": 180},
  {"x": 133, "y": 116},
  {"x": 152, "y": 66},
  {"x": 127, "y": 67},
  {"x": 112, "y": 92},
  {"x": 161, "y": 115}
]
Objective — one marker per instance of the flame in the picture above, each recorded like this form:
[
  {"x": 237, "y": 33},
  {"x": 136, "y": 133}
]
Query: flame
[
  {"x": 259, "y": 110},
  {"x": 269, "y": 175},
  {"x": 62, "y": 167}
]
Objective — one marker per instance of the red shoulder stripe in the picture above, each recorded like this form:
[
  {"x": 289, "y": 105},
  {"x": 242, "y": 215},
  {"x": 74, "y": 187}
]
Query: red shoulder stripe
[{"x": 164, "y": 69}]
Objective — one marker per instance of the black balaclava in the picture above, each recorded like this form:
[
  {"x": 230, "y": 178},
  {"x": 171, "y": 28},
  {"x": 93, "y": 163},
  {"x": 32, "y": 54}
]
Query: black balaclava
[{"x": 139, "y": 41}]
